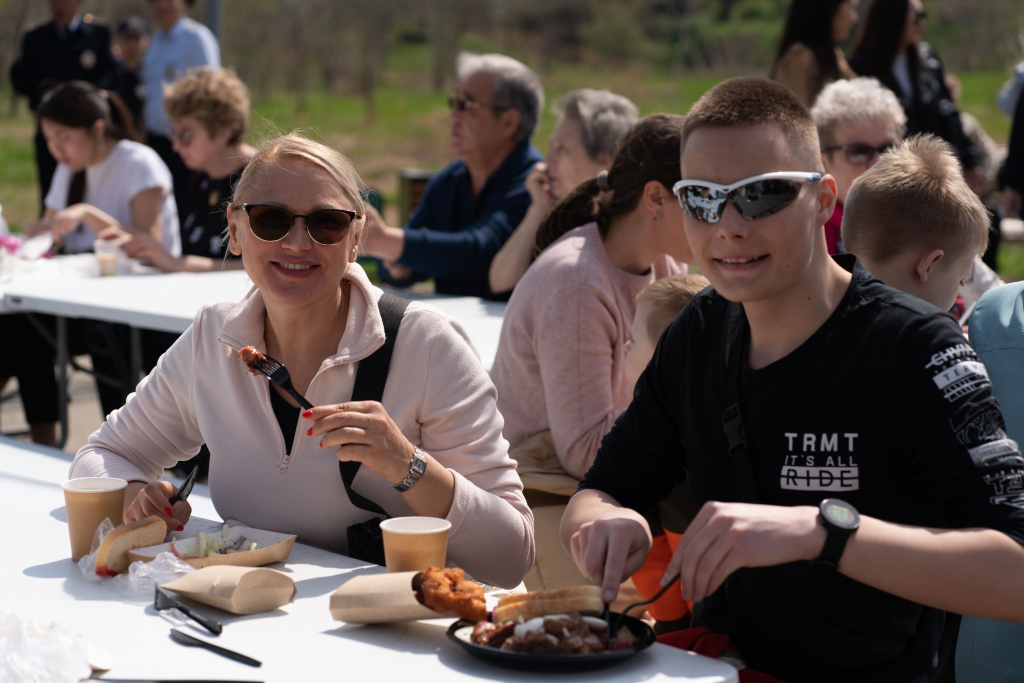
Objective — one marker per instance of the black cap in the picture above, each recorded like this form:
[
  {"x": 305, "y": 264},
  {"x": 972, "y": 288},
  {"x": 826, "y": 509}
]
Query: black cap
[{"x": 132, "y": 25}]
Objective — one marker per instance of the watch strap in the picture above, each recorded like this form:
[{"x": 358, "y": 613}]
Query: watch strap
[
  {"x": 835, "y": 544},
  {"x": 416, "y": 469}
]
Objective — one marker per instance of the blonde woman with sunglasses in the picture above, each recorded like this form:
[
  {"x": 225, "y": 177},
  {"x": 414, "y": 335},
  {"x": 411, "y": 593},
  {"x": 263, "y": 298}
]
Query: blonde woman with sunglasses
[{"x": 432, "y": 446}]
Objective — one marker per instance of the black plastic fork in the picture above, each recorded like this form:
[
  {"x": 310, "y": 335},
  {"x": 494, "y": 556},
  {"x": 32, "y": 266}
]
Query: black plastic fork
[
  {"x": 622, "y": 615},
  {"x": 278, "y": 374}
]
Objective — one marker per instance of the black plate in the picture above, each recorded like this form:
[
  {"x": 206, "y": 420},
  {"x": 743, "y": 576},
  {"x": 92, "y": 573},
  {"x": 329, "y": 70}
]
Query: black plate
[{"x": 552, "y": 662}]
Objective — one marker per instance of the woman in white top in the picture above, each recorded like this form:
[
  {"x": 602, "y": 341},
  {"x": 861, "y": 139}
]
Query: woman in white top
[{"x": 103, "y": 178}]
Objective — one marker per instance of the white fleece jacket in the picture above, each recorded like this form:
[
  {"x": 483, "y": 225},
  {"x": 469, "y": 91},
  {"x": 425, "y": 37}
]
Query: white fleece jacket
[{"x": 437, "y": 393}]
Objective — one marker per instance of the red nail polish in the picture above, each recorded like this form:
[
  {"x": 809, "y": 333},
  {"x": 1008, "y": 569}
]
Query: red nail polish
[
  {"x": 309, "y": 432},
  {"x": 168, "y": 511},
  {"x": 308, "y": 414},
  {"x": 321, "y": 443},
  {"x": 181, "y": 527}
]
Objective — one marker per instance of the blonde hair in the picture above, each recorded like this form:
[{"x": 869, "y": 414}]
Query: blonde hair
[
  {"x": 857, "y": 102},
  {"x": 741, "y": 102},
  {"x": 666, "y": 298},
  {"x": 915, "y": 195},
  {"x": 295, "y": 146},
  {"x": 216, "y": 98}
]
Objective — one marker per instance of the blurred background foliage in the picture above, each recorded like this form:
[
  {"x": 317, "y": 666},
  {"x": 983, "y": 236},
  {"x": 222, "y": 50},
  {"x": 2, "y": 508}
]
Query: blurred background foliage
[{"x": 369, "y": 76}]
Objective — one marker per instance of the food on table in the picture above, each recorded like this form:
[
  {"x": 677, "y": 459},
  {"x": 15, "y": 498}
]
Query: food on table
[
  {"x": 208, "y": 546},
  {"x": 448, "y": 590},
  {"x": 524, "y": 606},
  {"x": 112, "y": 556},
  {"x": 569, "y": 634},
  {"x": 250, "y": 356}
]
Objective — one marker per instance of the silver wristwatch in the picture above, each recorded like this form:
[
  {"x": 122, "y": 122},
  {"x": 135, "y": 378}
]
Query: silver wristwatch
[{"x": 416, "y": 470}]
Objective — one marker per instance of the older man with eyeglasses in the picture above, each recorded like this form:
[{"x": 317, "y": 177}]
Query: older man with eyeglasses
[{"x": 472, "y": 205}]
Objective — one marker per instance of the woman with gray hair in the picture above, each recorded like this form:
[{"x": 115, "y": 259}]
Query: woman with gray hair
[
  {"x": 857, "y": 120},
  {"x": 590, "y": 124}
]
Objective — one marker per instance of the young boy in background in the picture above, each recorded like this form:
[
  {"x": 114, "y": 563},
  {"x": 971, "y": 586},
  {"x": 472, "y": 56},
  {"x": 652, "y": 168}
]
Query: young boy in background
[
  {"x": 913, "y": 221},
  {"x": 656, "y": 307}
]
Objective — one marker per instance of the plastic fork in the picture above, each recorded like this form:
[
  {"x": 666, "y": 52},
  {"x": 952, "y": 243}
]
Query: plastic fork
[
  {"x": 278, "y": 374},
  {"x": 614, "y": 628}
]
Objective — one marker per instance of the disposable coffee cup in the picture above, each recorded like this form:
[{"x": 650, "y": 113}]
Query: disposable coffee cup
[
  {"x": 108, "y": 254},
  {"x": 411, "y": 544},
  {"x": 89, "y": 501}
]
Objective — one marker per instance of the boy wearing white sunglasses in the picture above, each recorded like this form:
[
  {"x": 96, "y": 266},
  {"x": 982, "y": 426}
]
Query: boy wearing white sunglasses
[{"x": 841, "y": 435}]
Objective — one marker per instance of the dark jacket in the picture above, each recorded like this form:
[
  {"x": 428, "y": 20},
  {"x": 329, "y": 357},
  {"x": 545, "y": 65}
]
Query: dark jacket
[{"x": 929, "y": 107}]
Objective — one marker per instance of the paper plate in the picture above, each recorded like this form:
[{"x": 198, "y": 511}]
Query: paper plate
[
  {"x": 459, "y": 633},
  {"x": 274, "y": 547}
]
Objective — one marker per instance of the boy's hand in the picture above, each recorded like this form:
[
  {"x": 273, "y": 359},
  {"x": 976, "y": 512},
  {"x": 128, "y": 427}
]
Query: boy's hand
[
  {"x": 724, "y": 537},
  {"x": 610, "y": 549}
]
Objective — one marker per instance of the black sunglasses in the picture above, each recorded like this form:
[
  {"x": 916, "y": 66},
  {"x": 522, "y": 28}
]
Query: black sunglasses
[
  {"x": 457, "y": 103},
  {"x": 754, "y": 197},
  {"x": 860, "y": 153},
  {"x": 325, "y": 226}
]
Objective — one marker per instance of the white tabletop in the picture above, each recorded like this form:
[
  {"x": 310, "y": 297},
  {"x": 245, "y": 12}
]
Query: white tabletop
[
  {"x": 70, "y": 287},
  {"x": 300, "y": 641}
]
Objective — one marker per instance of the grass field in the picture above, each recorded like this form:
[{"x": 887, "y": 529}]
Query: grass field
[{"x": 411, "y": 124}]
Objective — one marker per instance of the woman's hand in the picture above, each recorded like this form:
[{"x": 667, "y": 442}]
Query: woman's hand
[
  {"x": 363, "y": 432},
  {"x": 154, "y": 499},
  {"x": 145, "y": 247},
  {"x": 66, "y": 220},
  {"x": 538, "y": 185}
]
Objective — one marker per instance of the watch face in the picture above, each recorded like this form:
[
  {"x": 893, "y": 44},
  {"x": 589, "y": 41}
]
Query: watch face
[{"x": 840, "y": 513}]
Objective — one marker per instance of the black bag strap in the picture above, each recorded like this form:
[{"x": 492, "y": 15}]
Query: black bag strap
[
  {"x": 371, "y": 376},
  {"x": 732, "y": 416}
]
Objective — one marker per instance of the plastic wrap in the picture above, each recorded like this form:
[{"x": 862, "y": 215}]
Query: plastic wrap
[{"x": 141, "y": 578}]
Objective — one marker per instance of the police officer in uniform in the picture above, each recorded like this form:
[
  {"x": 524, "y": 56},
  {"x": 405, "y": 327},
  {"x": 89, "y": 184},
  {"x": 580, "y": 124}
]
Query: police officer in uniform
[{"x": 68, "y": 47}]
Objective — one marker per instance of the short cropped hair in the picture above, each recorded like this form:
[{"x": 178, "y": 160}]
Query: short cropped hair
[
  {"x": 915, "y": 195},
  {"x": 666, "y": 298},
  {"x": 215, "y": 97},
  {"x": 295, "y": 146},
  {"x": 858, "y": 101},
  {"x": 604, "y": 118},
  {"x": 515, "y": 86},
  {"x": 753, "y": 102}
]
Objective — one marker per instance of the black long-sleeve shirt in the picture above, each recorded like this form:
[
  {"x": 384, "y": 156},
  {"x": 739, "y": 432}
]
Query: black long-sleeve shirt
[{"x": 886, "y": 406}]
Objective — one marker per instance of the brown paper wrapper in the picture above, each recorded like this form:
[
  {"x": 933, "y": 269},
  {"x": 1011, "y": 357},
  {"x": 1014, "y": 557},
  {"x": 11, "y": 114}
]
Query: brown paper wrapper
[
  {"x": 379, "y": 599},
  {"x": 239, "y": 590}
]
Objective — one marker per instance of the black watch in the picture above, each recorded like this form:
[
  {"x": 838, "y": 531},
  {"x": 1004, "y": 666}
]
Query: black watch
[{"x": 840, "y": 520}]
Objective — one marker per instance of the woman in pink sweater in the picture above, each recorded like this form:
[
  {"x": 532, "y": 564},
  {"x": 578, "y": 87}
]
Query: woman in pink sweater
[
  {"x": 559, "y": 365},
  {"x": 274, "y": 466}
]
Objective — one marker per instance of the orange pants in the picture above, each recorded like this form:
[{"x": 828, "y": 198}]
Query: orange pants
[{"x": 647, "y": 579}]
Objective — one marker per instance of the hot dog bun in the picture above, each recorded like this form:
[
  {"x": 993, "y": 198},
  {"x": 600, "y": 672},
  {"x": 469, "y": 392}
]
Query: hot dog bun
[
  {"x": 112, "y": 556},
  {"x": 582, "y": 599}
]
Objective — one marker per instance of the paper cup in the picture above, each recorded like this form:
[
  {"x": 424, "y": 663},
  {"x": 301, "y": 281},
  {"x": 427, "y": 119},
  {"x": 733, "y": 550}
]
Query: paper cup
[
  {"x": 89, "y": 501},
  {"x": 411, "y": 544},
  {"x": 108, "y": 254}
]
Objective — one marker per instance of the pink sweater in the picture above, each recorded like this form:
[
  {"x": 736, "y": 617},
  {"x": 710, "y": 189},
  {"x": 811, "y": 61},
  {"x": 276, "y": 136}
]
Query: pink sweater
[
  {"x": 559, "y": 364},
  {"x": 437, "y": 393}
]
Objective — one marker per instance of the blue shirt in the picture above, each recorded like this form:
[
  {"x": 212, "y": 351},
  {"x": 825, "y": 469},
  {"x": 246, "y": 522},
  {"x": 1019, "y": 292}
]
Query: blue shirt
[
  {"x": 169, "y": 56},
  {"x": 454, "y": 234},
  {"x": 989, "y": 651}
]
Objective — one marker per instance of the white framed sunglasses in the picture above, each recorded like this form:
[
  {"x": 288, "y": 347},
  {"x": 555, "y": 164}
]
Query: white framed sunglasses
[{"x": 754, "y": 197}]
